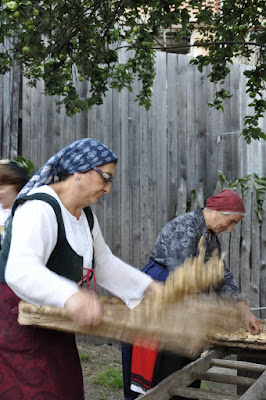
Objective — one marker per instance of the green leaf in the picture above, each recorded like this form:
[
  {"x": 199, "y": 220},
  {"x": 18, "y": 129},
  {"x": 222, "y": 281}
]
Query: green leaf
[
  {"x": 24, "y": 163},
  {"x": 221, "y": 176}
]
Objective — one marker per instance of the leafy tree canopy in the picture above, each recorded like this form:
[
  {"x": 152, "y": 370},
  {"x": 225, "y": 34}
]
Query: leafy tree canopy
[{"x": 67, "y": 41}]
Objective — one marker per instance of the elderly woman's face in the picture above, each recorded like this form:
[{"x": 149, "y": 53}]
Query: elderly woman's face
[
  {"x": 94, "y": 183},
  {"x": 8, "y": 194},
  {"x": 225, "y": 222}
]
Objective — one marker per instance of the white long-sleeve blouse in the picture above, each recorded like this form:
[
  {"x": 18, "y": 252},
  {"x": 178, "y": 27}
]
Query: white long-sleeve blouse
[{"x": 34, "y": 236}]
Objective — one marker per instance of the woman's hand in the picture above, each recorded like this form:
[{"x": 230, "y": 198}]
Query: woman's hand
[
  {"x": 252, "y": 324},
  {"x": 155, "y": 287},
  {"x": 84, "y": 308}
]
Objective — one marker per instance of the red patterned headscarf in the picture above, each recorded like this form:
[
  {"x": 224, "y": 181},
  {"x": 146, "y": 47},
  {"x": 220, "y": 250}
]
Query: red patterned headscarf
[{"x": 227, "y": 201}]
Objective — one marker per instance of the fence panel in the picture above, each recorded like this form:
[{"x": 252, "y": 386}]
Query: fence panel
[
  {"x": 235, "y": 243},
  {"x": 255, "y": 256},
  {"x": 245, "y": 253},
  {"x": 9, "y": 110},
  {"x": 262, "y": 265}
]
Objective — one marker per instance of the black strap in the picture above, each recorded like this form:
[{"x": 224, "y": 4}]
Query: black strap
[
  {"x": 89, "y": 216},
  {"x": 90, "y": 219}
]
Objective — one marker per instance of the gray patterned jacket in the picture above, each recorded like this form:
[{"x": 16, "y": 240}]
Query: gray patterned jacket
[{"x": 179, "y": 240}]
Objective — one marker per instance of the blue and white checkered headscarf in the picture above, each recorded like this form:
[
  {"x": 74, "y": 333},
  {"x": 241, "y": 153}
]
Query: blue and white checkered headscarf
[{"x": 79, "y": 156}]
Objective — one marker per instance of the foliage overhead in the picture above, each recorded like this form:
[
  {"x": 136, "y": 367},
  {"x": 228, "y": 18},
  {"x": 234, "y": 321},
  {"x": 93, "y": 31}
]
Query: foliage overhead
[{"x": 67, "y": 42}]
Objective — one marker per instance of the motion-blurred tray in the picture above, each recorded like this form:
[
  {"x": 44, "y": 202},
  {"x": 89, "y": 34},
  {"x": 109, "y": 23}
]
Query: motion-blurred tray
[{"x": 181, "y": 327}]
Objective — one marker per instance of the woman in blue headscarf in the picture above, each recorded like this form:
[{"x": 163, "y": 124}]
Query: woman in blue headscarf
[{"x": 49, "y": 253}]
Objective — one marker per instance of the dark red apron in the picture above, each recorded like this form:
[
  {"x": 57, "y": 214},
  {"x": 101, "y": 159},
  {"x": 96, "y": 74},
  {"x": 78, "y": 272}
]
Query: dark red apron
[{"x": 35, "y": 364}]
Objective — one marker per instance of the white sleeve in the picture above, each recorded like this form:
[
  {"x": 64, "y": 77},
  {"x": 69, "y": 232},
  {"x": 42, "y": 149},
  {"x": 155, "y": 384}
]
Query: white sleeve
[
  {"x": 34, "y": 236},
  {"x": 119, "y": 278}
]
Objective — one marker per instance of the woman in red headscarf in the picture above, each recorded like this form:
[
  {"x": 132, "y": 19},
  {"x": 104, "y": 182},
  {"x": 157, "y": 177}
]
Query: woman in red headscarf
[{"x": 177, "y": 241}]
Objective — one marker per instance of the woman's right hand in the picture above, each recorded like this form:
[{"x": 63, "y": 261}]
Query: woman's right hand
[
  {"x": 84, "y": 308},
  {"x": 155, "y": 288}
]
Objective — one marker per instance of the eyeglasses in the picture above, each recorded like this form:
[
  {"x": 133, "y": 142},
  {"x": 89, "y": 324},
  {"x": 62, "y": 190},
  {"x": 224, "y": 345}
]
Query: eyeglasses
[{"x": 107, "y": 177}]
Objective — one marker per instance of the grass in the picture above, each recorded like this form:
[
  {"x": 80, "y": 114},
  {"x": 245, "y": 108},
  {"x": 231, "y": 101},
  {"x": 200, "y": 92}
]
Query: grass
[
  {"x": 109, "y": 377},
  {"x": 84, "y": 356},
  {"x": 203, "y": 386}
]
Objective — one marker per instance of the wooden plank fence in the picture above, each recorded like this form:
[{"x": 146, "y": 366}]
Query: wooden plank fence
[
  {"x": 164, "y": 153},
  {"x": 10, "y": 128}
]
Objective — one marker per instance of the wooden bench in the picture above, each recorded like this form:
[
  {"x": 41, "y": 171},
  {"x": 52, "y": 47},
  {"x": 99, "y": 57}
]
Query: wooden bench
[{"x": 178, "y": 382}]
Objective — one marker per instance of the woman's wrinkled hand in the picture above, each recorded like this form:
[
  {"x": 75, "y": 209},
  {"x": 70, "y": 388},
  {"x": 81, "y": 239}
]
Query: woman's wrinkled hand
[
  {"x": 252, "y": 324},
  {"x": 84, "y": 308}
]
